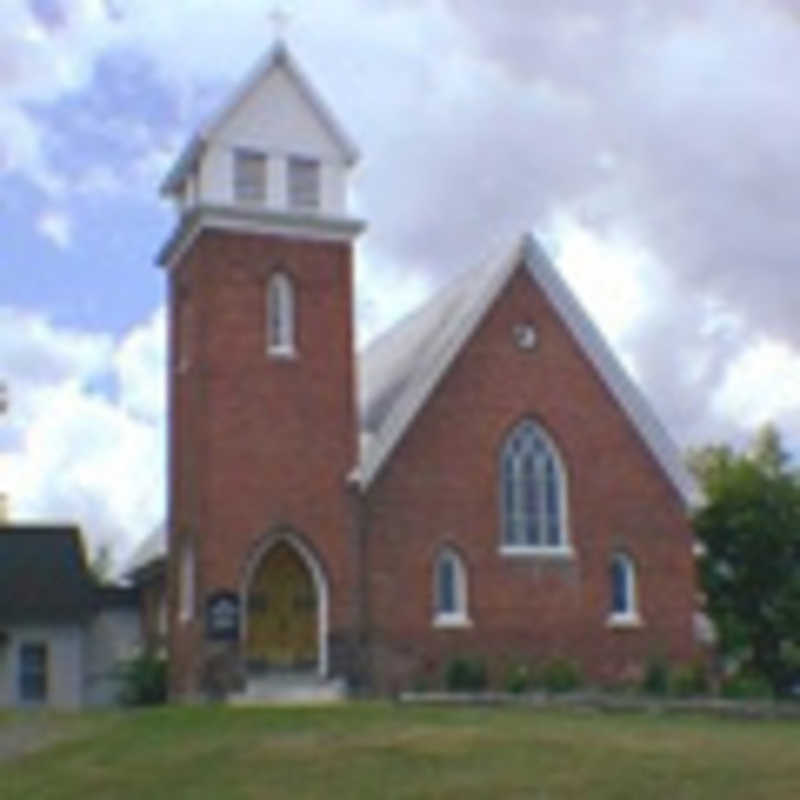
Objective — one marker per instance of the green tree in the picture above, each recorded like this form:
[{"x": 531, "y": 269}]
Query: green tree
[{"x": 750, "y": 526}]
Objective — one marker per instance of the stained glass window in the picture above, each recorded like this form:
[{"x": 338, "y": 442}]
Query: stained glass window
[{"x": 532, "y": 490}]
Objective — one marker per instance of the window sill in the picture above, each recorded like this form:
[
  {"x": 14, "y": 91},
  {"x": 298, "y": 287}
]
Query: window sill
[
  {"x": 529, "y": 551},
  {"x": 630, "y": 620},
  {"x": 451, "y": 621},
  {"x": 282, "y": 353}
]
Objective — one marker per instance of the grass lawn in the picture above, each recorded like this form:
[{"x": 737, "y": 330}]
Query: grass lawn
[{"x": 386, "y": 751}]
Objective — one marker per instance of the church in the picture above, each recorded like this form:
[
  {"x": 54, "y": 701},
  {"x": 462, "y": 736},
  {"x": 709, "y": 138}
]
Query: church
[{"x": 483, "y": 480}]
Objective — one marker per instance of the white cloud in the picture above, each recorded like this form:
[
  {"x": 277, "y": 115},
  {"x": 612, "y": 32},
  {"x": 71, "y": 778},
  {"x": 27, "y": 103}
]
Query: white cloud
[
  {"x": 35, "y": 353},
  {"x": 609, "y": 274},
  {"x": 384, "y": 296},
  {"x": 55, "y": 226},
  {"x": 761, "y": 385},
  {"x": 88, "y": 418}
]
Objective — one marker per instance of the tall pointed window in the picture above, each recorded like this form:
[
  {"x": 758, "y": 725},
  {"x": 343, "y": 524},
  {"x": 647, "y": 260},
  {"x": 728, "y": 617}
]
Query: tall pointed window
[
  {"x": 450, "y": 590},
  {"x": 533, "y": 493},
  {"x": 623, "y": 591},
  {"x": 280, "y": 316},
  {"x": 185, "y": 315},
  {"x": 186, "y": 583}
]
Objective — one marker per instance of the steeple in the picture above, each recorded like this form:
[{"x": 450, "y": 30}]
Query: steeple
[
  {"x": 262, "y": 426},
  {"x": 273, "y": 158}
]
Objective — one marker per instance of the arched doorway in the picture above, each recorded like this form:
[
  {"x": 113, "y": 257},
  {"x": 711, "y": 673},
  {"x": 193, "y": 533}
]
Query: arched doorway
[{"x": 286, "y": 602}]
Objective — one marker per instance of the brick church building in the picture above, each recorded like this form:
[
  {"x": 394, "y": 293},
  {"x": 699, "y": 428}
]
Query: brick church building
[{"x": 483, "y": 480}]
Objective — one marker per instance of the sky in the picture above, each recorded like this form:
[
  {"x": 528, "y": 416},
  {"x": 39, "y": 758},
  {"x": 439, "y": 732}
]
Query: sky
[{"x": 652, "y": 147}]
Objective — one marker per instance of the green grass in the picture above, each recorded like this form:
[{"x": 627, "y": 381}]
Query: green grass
[{"x": 384, "y": 751}]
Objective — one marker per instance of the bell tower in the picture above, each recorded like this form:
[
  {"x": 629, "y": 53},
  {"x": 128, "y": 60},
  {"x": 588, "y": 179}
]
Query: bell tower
[{"x": 262, "y": 430}]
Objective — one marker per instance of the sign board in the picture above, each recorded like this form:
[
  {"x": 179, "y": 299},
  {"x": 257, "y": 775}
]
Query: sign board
[{"x": 222, "y": 616}]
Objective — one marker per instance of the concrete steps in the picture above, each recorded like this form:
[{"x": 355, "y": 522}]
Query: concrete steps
[{"x": 289, "y": 689}]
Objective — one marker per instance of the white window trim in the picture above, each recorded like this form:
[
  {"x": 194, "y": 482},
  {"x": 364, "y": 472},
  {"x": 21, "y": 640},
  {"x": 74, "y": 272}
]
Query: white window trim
[
  {"x": 282, "y": 351},
  {"x": 537, "y": 551},
  {"x": 186, "y": 585},
  {"x": 630, "y": 617},
  {"x": 285, "y": 348},
  {"x": 564, "y": 548},
  {"x": 460, "y": 617},
  {"x": 451, "y": 620}
]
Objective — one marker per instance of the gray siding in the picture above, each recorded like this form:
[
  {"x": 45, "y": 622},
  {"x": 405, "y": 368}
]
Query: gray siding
[
  {"x": 113, "y": 637},
  {"x": 64, "y": 663}
]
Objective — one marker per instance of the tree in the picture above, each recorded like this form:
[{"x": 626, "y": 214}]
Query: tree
[
  {"x": 102, "y": 563},
  {"x": 750, "y": 527}
]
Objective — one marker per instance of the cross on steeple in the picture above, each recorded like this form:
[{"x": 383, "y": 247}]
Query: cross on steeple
[{"x": 280, "y": 22}]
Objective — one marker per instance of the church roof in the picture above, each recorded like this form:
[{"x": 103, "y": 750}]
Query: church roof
[
  {"x": 401, "y": 368},
  {"x": 277, "y": 56},
  {"x": 149, "y": 552}
]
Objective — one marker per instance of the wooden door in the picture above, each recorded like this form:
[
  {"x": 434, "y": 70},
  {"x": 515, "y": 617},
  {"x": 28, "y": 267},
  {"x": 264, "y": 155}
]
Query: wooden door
[{"x": 282, "y": 612}]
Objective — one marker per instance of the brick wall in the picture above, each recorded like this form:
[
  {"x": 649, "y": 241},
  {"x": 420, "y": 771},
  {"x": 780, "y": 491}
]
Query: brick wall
[
  {"x": 441, "y": 486},
  {"x": 259, "y": 443}
]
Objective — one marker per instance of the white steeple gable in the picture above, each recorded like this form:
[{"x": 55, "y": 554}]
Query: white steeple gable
[
  {"x": 273, "y": 146},
  {"x": 272, "y": 159}
]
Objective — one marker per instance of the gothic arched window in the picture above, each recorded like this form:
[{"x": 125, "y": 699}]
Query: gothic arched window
[
  {"x": 623, "y": 588},
  {"x": 280, "y": 315},
  {"x": 533, "y": 492},
  {"x": 450, "y": 589},
  {"x": 186, "y": 586}
]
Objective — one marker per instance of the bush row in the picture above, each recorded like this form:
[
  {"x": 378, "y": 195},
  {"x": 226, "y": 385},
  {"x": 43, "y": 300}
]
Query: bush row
[{"x": 660, "y": 679}]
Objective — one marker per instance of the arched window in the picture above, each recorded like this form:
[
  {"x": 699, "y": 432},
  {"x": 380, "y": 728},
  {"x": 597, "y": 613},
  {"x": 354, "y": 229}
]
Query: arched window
[
  {"x": 533, "y": 492},
  {"x": 280, "y": 315},
  {"x": 184, "y": 320},
  {"x": 450, "y": 589},
  {"x": 623, "y": 589},
  {"x": 186, "y": 583}
]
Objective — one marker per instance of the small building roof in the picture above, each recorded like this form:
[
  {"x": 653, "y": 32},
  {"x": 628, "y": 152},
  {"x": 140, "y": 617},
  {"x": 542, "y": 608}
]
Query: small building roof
[{"x": 43, "y": 574}]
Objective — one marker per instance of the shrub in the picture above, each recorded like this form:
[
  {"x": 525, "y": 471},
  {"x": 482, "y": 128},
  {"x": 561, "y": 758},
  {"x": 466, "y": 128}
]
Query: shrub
[
  {"x": 144, "y": 681},
  {"x": 465, "y": 675},
  {"x": 745, "y": 686},
  {"x": 656, "y": 678},
  {"x": 560, "y": 675},
  {"x": 518, "y": 679},
  {"x": 688, "y": 680},
  {"x": 419, "y": 684}
]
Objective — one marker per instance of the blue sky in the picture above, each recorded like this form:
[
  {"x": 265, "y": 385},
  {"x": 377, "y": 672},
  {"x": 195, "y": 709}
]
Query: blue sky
[{"x": 653, "y": 147}]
